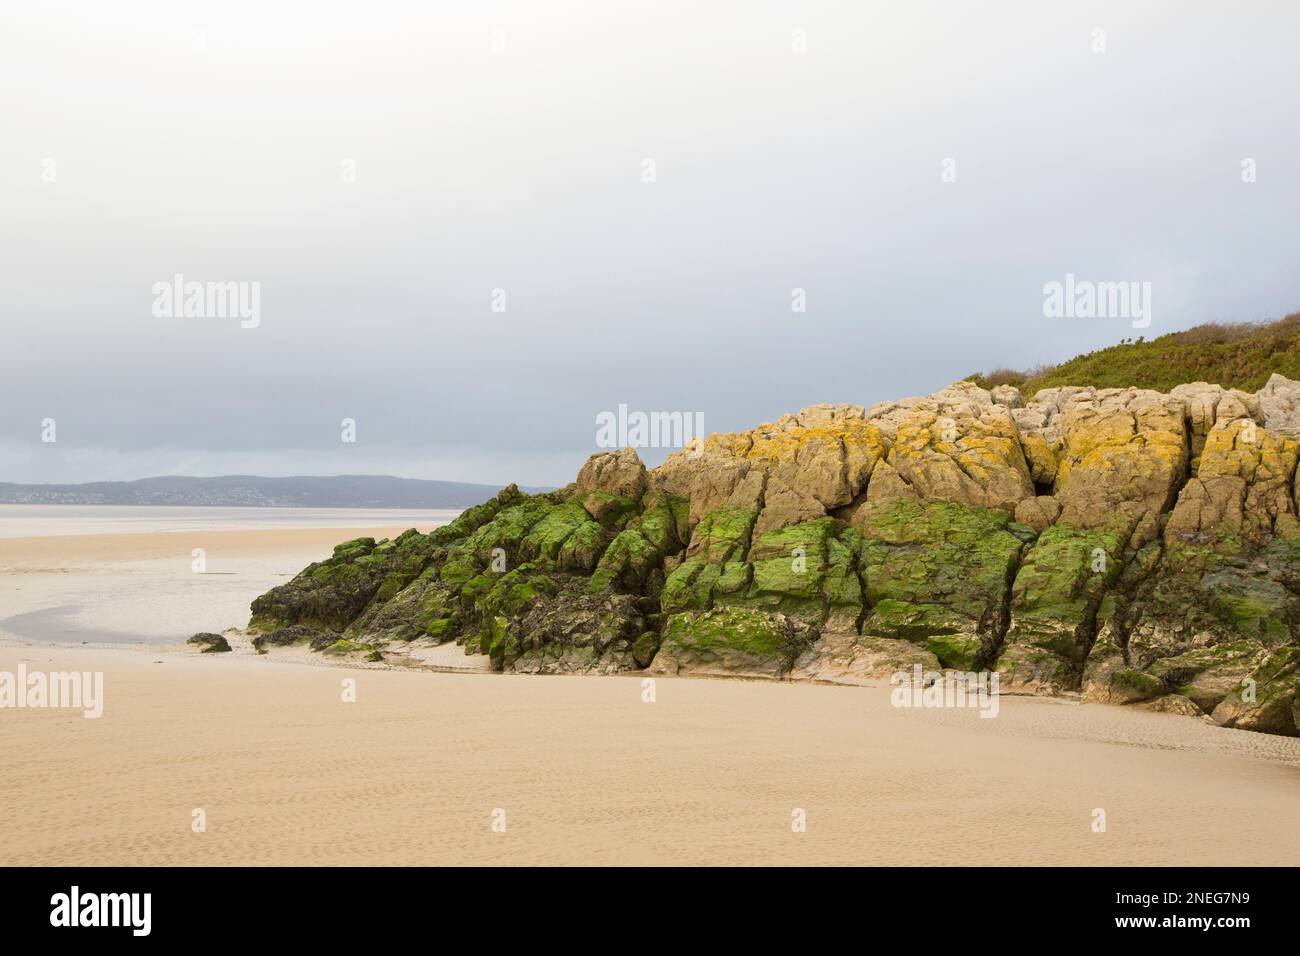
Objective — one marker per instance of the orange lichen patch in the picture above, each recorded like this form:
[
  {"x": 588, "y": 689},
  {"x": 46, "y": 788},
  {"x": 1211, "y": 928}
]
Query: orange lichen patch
[
  {"x": 1246, "y": 450},
  {"x": 967, "y": 462},
  {"x": 786, "y": 444},
  {"x": 1243, "y": 485}
]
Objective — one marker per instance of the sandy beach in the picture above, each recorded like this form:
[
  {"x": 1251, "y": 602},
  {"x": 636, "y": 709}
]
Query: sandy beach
[
  {"x": 413, "y": 771},
  {"x": 582, "y": 769}
]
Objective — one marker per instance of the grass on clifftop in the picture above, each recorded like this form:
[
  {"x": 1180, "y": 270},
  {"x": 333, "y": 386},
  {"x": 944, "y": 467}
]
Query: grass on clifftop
[{"x": 1235, "y": 356}]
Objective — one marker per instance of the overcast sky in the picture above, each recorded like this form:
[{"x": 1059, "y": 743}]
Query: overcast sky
[{"x": 504, "y": 146}]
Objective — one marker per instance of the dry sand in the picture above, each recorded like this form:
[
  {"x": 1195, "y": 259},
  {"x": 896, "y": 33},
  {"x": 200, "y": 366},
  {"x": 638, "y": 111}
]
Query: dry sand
[{"x": 586, "y": 772}]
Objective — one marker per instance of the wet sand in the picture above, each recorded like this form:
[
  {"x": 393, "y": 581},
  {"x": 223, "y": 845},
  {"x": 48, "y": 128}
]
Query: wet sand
[{"x": 142, "y": 587}]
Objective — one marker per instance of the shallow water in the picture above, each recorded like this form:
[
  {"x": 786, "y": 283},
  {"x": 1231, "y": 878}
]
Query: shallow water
[
  {"x": 126, "y": 575},
  {"x": 33, "y": 521}
]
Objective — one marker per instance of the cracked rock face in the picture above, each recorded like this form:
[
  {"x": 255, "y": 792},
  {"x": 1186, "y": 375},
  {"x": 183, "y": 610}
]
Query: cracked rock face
[
  {"x": 1123, "y": 451},
  {"x": 1131, "y": 546}
]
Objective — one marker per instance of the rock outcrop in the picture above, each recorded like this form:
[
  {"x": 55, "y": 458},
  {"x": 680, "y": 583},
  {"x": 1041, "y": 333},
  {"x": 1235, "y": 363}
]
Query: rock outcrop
[
  {"x": 1125, "y": 545},
  {"x": 210, "y": 643}
]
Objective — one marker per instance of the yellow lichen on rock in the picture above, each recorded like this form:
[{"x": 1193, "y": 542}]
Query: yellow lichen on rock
[
  {"x": 1243, "y": 484},
  {"x": 1125, "y": 454},
  {"x": 962, "y": 453}
]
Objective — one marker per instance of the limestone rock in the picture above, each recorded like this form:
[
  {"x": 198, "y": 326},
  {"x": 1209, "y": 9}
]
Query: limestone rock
[
  {"x": 959, "y": 446},
  {"x": 609, "y": 486},
  {"x": 936, "y": 575},
  {"x": 1267, "y": 700},
  {"x": 569, "y": 630},
  {"x": 784, "y": 505},
  {"x": 1130, "y": 546},
  {"x": 1174, "y": 704},
  {"x": 329, "y": 595},
  {"x": 315, "y": 638},
  {"x": 888, "y": 485},
  {"x": 1038, "y": 513},
  {"x": 1125, "y": 454},
  {"x": 729, "y": 642},
  {"x": 1279, "y": 406},
  {"x": 617, "y": 473},
  {"x": 825, "y": 451},
  {"x": 1243, "y": 484},
  {"x": 1206, "y": 405},
  {"x": 210, "y": 643},
  {"x": 1055, "y": 601},
  {"x": 1007, "y": 395},
  {"x": 845, "y": 657}
]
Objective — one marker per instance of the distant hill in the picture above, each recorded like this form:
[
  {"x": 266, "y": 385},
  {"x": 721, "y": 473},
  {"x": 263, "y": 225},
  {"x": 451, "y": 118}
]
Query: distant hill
[
  {"x": 1235, "y": 356},
  {"x": 333, "y": 491}
]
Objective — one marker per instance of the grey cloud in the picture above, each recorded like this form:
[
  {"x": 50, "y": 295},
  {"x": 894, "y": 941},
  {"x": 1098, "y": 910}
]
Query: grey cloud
[{"x": 521, "y": 170}]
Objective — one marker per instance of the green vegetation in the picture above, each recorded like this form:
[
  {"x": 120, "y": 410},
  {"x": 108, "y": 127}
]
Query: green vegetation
[
  {"x": 738, "y": 629},
  {"x": 1232, "y": 355},
  {"x": 210, "y": 643},
  {"x": 343, "y": 646}
]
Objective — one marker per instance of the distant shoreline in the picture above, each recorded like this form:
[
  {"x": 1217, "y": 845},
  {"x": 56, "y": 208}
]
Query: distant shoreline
[
  {"x": 160, "y": 575},
  {"x": 254, "y": 491},
  {"x": 167, "y": 504}
]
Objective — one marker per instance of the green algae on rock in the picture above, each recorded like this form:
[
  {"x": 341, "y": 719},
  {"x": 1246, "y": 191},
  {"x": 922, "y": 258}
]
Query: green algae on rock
[
  {"x": 1124, "y": 545},
  {"x": 210, "y": 643}
]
